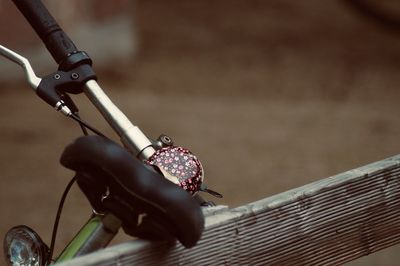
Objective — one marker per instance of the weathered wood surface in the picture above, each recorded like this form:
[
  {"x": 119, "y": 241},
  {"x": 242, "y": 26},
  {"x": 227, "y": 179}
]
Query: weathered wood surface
[{"x": 328, "y": 222}]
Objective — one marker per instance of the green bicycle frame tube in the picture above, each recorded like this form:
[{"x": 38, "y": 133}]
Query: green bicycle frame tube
[{"x": 94, "y": 235}]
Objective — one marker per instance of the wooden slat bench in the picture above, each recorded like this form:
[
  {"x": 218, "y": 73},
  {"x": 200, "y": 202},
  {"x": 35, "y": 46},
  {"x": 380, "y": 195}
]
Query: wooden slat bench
[{"x": 328, "y": 222}]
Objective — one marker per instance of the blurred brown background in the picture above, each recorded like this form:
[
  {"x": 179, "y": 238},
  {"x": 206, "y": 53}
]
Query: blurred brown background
[{"x": 270, "y": 95}]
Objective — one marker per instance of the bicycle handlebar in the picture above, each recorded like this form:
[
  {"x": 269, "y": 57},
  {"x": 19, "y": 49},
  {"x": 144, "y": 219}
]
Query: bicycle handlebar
[
  {"x": 56, "y": 40},
  {"x": 68, "y": 57}
]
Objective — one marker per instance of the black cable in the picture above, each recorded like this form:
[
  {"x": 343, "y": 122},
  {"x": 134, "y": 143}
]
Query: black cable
[
  {"x": 57, "y": 220},
  {"x": 74, "y": 109},
  {"x": 75, "y": 115},
  {"x": 86, "y": 125},
  {"x": 84, "y": 130}
]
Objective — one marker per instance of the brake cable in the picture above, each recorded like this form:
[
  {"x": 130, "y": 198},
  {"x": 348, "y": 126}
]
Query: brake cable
[
  {"x": 84, "y": 126},
  {"x": 58, "y": 216}
]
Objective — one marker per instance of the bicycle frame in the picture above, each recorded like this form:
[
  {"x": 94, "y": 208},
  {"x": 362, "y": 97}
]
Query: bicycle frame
[{"x": 94, "y": 235}]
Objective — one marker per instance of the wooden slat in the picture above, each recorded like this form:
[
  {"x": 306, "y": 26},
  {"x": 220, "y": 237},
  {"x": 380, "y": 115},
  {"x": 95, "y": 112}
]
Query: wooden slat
[{"x": 328, "y": 222}]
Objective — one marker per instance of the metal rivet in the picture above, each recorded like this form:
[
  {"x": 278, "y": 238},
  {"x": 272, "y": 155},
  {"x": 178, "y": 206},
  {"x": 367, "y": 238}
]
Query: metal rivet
[
  {"x": 57, "y": 76},
  {"x": 74, "y": 76}
]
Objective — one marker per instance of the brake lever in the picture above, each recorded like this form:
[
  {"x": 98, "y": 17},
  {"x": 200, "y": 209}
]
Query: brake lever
[
  {"x": 44, "y": 88},
  {"x": 33, "y": 80}
]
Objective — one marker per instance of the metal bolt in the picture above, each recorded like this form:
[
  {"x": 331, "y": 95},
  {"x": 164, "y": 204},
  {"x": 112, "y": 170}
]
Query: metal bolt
[
  {"x": 57, "y": 76},
  {"x": 167, "y": 141},
  {"x": 74, "y": 75}
]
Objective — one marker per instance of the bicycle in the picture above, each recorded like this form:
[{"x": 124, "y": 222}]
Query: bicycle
[{"x": 147, "y": 187}]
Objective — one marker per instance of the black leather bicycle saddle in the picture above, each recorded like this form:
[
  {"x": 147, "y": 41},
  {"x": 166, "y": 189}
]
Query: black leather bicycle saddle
[{"x": 133, "y": 189}]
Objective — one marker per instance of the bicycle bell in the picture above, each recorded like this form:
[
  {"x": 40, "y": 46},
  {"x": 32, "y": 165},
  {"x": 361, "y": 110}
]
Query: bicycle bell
[{"x": 179, "y": 166}]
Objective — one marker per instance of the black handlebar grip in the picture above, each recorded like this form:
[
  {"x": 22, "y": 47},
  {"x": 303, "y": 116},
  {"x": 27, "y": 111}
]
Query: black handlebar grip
[{"x": 56, "y": 40}]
